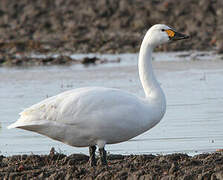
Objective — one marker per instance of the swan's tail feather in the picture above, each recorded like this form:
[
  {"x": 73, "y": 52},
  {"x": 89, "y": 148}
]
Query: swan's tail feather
[
  {"x": 43, "y": 127},
  {"x": 24, "y": 125},
  {"x": 14, "y": 125},
  {"x": 26, "y": 121}
]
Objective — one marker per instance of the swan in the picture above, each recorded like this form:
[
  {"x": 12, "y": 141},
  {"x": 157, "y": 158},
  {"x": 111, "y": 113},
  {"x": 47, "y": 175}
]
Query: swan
[{"x": 96, "y": 116}]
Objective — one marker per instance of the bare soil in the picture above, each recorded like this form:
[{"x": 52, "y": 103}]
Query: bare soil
[
  {"x": 149, "y": 167},
  {"x": 105, "y": 26}
]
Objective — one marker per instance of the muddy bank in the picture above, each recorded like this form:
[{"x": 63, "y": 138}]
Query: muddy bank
[
  {"x": 10, "y": 60},
  {"x": 60, "y": 166},
  {"x": 105, "y": 26}
]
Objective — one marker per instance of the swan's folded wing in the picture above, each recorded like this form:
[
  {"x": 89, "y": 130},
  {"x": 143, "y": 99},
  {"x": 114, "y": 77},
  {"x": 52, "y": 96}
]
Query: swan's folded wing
[
  {"x": 79, "y": 108},
  {"x": 42, "y": 112}
]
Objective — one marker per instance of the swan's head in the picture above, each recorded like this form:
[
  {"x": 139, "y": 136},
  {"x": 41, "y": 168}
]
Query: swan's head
[{"x": 160, "y": 34}]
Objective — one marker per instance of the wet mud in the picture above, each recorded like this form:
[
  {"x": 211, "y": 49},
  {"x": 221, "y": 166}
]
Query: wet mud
[
  {"x": 75, "y": 166},
  {"x": 11, "y": 61},
  {"x": 105, "y": 26}
]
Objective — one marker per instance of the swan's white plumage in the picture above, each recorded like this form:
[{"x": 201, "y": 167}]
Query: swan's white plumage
[
  {"x": 98, "y": 116},
  {"x": 86, "y": 116}
]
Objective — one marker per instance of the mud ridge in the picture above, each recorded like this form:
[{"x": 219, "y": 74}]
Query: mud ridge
[
  {"x": 106, "y": 26},
  {"x": 75, "y": 166}
]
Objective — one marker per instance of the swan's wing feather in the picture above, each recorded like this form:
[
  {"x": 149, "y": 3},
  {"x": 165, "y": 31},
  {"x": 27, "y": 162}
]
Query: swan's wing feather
[
  {"x": 83, "y": 106},
  {"x": 98, "y": 104},
  {"x": 44, "y": 111}
]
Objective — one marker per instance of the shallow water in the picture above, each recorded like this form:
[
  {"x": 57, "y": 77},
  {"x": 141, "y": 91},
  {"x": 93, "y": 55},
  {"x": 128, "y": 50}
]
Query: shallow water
[{"x": 194, "y": 92}]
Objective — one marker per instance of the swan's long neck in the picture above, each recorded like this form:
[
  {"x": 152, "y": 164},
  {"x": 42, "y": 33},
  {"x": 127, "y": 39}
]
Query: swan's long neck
[{"x": 150, "y": 85}]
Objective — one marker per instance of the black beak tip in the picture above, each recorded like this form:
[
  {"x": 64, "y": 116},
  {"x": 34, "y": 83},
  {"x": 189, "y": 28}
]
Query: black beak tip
[{"x": 179, "y": 36}]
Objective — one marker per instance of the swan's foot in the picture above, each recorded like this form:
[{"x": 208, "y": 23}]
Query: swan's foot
[
  {"x": 103, "y": 160},
  {"x": 92, "y": 160}
]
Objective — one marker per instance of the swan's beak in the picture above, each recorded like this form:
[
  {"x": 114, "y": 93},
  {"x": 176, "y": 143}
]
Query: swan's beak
[{"x": 173, "y": 35}]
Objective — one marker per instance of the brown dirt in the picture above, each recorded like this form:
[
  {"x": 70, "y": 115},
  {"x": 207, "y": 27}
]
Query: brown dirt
[
  {"x": 105, "y": 26},
  {"x": 10, "y": 60},
  {"x": 60, "y": 166}
]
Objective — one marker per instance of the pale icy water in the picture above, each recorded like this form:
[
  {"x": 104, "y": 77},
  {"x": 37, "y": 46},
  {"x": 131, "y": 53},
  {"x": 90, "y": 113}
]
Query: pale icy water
[{"x": 192, "y": 124}]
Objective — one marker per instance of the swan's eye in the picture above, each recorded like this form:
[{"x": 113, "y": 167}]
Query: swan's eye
[{"x": 162, "y": 29}]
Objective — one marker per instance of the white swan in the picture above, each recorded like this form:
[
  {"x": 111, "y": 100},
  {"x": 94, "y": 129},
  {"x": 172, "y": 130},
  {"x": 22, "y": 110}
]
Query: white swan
[{"x": 91, "y": 116}]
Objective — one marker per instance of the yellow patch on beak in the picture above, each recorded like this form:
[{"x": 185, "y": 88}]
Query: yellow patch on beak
[{"x": 170, "y": 33}]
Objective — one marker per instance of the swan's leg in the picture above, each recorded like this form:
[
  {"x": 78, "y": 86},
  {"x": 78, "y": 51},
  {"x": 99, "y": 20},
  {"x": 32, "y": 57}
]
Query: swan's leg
[
  {"x": 92, "y": 159},
  {"x": 103, "y": 156}
]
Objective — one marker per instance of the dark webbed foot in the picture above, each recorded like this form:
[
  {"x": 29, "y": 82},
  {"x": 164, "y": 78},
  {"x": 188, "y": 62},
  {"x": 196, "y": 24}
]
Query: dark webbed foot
[
  {"x": 92, "y": 160},
  {"x": 103, "y": 159}
]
